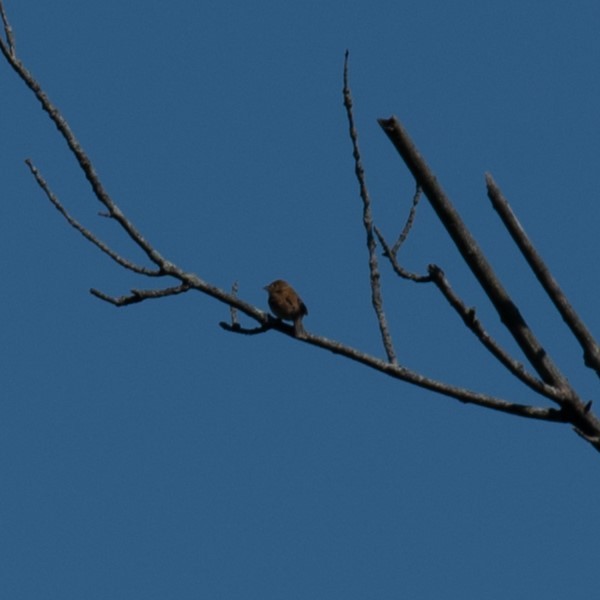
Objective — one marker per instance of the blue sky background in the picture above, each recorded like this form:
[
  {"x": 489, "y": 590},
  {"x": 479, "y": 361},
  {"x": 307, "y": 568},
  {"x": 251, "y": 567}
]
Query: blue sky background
[{"x": 144, "y": 452}]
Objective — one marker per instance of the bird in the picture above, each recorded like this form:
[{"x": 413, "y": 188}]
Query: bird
[{"x": 285, "y": 303}]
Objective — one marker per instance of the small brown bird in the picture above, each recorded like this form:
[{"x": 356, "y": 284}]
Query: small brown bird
[{"x": 285, "y": 303}]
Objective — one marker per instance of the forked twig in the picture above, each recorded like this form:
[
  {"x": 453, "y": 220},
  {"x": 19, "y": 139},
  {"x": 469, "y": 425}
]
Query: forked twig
[
  {"x": 80, "y": 155},
  {"x": 86, "y": 233},
  {"x": 398, "y": 268}
]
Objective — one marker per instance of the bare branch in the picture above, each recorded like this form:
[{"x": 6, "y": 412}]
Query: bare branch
[
  {"x": 402, "y": 373},
  {"x": 398, "y": 269},
  {"x": 462, "y": 394},
  {"x": 233, "y": 311},
  {"x": 82, "y": 158},
  {"x": 409, "y": 222},
  {"x": 86, "y": 232},
  {"x": 591, "y": 350},
  {"x": 473, "y": 256},
  {"x": 8, "y": 32},
  {"x": 140, "y": 295},
  {"x": 592, "y": 439},
  {"x": 475, "y": 259},
  {"x": 376, "y": 297},
  {"x": 470, "y": 320},
  {"x": 392, "y": 253},
  {"x": 237, "y": 328},
  {"x": 554, "y": 385}
]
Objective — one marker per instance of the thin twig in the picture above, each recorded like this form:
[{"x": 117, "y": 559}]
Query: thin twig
[
  {"x": 233, "y": 311},
  {"x": 469, "y": 318},
  {"x": 8, "y": 32},
  {"x": 82, "y": 158},
  {"x": 392, "y": 252},
  {"x": 591, "y": 350},
  {"x": 409, "y": 222},
  {"x": 376, "y": 297},
  {"x": 237, "y": 328},
  {"x": 140, "y": 295},
  {"x": 86, "y": 232},
  {"x": 398, "y": 269}
]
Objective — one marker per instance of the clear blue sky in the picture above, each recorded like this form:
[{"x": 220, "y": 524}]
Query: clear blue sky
[{"x": 147, "y": 454}]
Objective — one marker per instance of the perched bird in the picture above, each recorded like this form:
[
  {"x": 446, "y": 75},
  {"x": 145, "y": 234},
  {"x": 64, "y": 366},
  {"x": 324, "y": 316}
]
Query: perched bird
[{"x": 285, "y": 303}]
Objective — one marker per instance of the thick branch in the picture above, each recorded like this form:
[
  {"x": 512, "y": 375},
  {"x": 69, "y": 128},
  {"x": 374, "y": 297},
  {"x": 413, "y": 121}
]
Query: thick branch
[
  {"x": 472, "y": 254},
  {"x": 570, "y": 409},
  {"x": 475, "y": 259},
  {"x": 591, "y": 351}
]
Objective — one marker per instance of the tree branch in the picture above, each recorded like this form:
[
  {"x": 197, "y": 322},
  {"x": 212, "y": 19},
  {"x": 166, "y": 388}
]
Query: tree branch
[
  {"x": 472, "y": 254},
  {"x": 470, "y": 320},
  {"x": 591, "y": 350},
  {"x": 8, "y": 50},
  {"x": 140, "y": 295},
  {"x": 9, "y": 47},
  {"x": 375, "y": 276},
  {"x": 508, "y": 312},
  {"x": 461, "y": 394},
  {"x": 409, "y": 222},
  {"x": 554, "y": 385},
  {"x": 398, "y": 269},
  {"x": 87, "y": 234}
]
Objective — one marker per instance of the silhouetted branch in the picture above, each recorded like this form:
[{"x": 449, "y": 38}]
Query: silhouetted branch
[
  {"x": 82, "y": 158},
  {"x": 469, "y": 318},
  {"x": 591, "y": 351},
  {"x": 375, "y": 277},
  {"x": 464, "y": 395},
  {"x": 237, "y": 328},
  {"x": 392, "y": 253},
  {"x": 86, "y": 232},
  {"x": 9, "y": 47},
  {"x": 398, "y": 269},
  {"x": 409, "y": 222},
  {"x": 554, "y": 384},
  {"x": 509, "y": 314},
  {"x": 140, "y": 295},
  {"x": 472, "y": 254}
]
